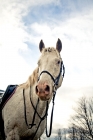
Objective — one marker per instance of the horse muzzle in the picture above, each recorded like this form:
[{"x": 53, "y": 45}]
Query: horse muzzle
[{"x": 43, "y": 91}]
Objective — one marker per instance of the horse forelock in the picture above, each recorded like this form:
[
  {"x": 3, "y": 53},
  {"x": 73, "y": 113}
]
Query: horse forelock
[{"x": 50, "y": 51}]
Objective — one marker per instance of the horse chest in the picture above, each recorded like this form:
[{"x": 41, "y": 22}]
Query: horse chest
[
  {"x": 34, "y": 131},
  {"x": 31, "y": 118}
]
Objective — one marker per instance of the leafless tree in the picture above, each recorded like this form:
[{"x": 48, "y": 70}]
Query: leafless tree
[
  {"x": 64, "y": 133},
  {"x": 83, "y": 120},
  {"x": 72, "y": 132},
  {"x": 59, "y": 134}
]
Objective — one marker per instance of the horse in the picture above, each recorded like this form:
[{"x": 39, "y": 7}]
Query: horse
[{"x": 24, "y": 114}]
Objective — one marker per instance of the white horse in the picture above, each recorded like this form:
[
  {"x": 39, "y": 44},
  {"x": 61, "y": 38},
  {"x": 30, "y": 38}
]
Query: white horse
[{"x": 25, "y": 112}]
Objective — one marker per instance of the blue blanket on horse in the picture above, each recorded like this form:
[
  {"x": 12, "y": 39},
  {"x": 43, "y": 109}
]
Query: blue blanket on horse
[{"x": 8, "y": 93}]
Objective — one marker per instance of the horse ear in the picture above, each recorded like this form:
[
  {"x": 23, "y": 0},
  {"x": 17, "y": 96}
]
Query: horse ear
[
  {"x": 41, "y": 45},
  {"x": 59, "y": 45}
]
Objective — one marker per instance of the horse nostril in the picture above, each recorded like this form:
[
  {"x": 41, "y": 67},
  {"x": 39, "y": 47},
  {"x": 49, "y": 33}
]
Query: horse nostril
[
  {"x": 42, "y": 89},
  {"x": 36, "y": 89},
  {"x": 47, "y": 88}
]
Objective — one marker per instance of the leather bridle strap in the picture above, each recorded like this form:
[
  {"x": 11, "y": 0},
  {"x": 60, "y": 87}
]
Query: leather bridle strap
[
  {"x": 48, "y": 133},
  {"x": 29, "y": 126},
  {"x": 44, "y": 71},
  {"x": 62, "y": 69}
]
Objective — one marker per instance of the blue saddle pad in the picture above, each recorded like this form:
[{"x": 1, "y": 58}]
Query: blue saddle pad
[{"x": 7, "y": 94}]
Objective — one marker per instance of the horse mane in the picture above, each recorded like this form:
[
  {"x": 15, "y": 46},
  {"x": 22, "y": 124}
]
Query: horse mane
[{"x": 31, "y": 80}]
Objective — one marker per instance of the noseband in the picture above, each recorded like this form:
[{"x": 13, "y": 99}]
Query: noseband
[{"x": 55, "y": 80}]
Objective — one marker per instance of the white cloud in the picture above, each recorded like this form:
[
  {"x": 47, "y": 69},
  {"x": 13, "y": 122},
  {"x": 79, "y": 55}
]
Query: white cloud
[{"x": 12, "y": 38}]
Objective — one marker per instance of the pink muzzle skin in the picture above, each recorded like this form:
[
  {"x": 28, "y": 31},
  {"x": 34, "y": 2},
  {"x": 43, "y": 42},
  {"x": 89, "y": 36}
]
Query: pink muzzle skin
[{"x": 43, "y": 89}]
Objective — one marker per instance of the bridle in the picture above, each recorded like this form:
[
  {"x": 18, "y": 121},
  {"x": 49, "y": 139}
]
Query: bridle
[{"x": 56, "y": 81}]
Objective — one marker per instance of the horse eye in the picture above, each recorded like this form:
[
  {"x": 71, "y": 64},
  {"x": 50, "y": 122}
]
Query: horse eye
[{"x": 58, "y": 62}]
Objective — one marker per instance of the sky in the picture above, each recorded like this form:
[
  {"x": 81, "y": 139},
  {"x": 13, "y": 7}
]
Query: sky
[{"x": 24, "y": 23}]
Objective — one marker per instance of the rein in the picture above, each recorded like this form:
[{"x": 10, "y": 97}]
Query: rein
[
  {"x": 48, "y": 134},
  {"x": 35, "y": 112}
]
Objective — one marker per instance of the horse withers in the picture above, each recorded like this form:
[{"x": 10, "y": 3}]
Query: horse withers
[{"x": 24, "y": 114}]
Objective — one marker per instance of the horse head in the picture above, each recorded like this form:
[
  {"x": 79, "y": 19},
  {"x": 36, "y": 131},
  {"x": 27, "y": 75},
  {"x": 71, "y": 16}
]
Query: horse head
[{"x": 49, "y": 70}]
